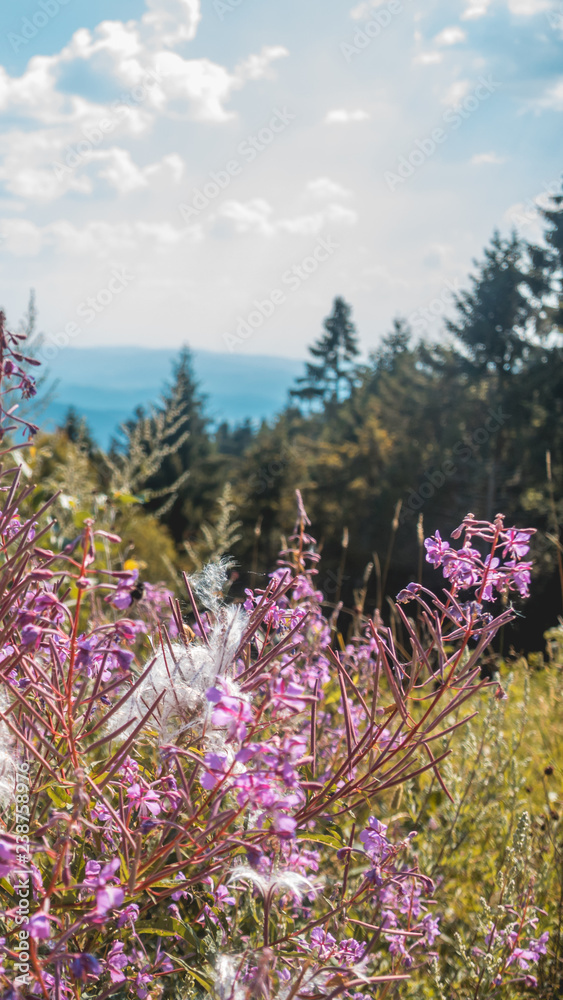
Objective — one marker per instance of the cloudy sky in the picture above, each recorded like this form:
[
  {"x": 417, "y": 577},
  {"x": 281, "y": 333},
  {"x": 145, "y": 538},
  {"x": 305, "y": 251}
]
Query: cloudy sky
[{"x": 165, "y": 165}]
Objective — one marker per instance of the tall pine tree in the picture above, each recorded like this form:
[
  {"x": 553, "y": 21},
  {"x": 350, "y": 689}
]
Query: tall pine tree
[
  {"x": 335, "y": 352},
  {"x": 494, "y": 342},
  {"x": 175, "y": 449}
]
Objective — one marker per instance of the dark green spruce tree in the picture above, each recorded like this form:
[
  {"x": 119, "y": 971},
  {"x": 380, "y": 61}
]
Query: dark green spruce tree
[
  {"x": 333, "y": 374},
  {"x": 494, "y": 342},
  {"x": 186, "y": 468}
]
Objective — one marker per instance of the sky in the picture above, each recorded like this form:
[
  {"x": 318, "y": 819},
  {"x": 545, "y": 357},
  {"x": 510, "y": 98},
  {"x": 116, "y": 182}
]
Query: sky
[{"x": 217, "y": 171}]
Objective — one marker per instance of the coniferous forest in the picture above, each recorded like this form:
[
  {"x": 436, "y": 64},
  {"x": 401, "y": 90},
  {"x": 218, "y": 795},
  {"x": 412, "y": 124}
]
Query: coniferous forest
[{"x": 415, "y": 437}]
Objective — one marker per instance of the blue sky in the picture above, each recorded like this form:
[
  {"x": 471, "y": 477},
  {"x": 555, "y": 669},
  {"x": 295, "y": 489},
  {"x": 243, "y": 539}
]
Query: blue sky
[{"x": 175, "y": 170}]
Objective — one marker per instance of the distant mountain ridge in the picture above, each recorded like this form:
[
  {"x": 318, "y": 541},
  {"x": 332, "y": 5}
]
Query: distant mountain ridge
[{"x": 106, "y": 384}]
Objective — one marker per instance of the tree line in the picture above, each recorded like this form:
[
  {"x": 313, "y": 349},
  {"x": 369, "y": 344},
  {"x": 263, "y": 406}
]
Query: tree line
[{"x": 384, "y": 451}]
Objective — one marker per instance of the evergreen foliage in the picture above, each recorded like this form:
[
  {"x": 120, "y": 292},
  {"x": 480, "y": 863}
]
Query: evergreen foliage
[
  {"x": 335, "y": 352},
  {"x": 423, "y": 430}
]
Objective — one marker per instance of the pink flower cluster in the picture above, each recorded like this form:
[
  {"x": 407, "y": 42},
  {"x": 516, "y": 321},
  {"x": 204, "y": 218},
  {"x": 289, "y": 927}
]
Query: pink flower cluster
[{"x": 501, "y": 570}]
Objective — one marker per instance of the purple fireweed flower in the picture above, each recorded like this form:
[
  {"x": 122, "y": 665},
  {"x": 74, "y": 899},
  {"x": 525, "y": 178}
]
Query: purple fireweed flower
[
  {"x": 31, "y": 635},
  {"x": 48, "y": 602},
  {"x": 181, "y": 893},
  {"x": 128, "y": 770},
  {"x": 124, "y": 657},
  {"x": 38, "y": 927},
  {"x": 463, "y": 568},
  {"x": 435, "y": 549},
  {"x": 324, "y": 942},
  {"x": 157, "y": 596},
  {"x": 86, "y": 646},
  {"x": 523, "y": 956},
  {"x": 539, "y": 945},
  {"x": 141, "y": 983},
  {"x": 397, "y": 947},
  {"x": 409, "y": 592},
  {"x": 116, "y": 962},
  {"x": 223, "y": 898},
  {"x": 285, "y": 826},
  {"x": 493, "y": 578},
  {"x": 128, "y": 915},
  {"x": 351, "y": 952},
  {"x": 520, "y": 575},
  {"x": 85, "y": 965},
  {"x": 129, "y": 628},
  {"x": 230, "y": 713},
  {"x": 430, "y": 926},
  {"x": 121, "y": 597},
  {"x": 516, "y": 542},
  {"x": 108, "y": 898},
  {"x": 100, "y": 813},
  {"x": 374, "y": 839},
  {"x": 109, "y": 871},
  {"x": 146, "y": 799},
  {"x": 91, "y": 873},
  {"x": 216, "y": 767},
  {"x": 288, "y": 694},
  {"x": 8, "y": 859},
  {"x": 250, "y": 602}
]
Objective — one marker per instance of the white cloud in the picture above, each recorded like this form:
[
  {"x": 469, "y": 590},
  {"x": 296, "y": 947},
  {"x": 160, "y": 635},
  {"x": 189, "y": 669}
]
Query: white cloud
[
  {"x": 428, "y": 58},
  {"x": 323, "y": 187},
  {"x": 149, "y": 80},
  {"x": 168, "y": 83},
  {"x": 119, "y": 204},
  {"x": 339, "y": 116},
  {"x": 305, "y": 225},
  {"x": 100, "y": 239},
  {"x": 450, "y": 36},
  {"x": 125, "y": 176},
  {"x": 21, "y": 237},
  {"x": 172, "y": 21},
  {"x": 456, "y": 92},
  {"x": 248, "y": 217},
  {"x": 552, "y": 99},
  {"x": 480, "y": 159},
  {"x": 43, "y": 166},
  {"x": 527, "y": 8},
  {"x": 256, "y": 216},
  {"x": 202, "y": 86},
  {"x": 475, "y": 9},
  {"x": 365, "y": 9},
  {"x": 257, "y": 66}
]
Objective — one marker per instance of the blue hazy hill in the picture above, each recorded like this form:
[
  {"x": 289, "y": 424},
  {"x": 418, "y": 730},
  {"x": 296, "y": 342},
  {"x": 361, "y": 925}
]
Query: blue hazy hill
[{"x": 106, "y": 384}]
